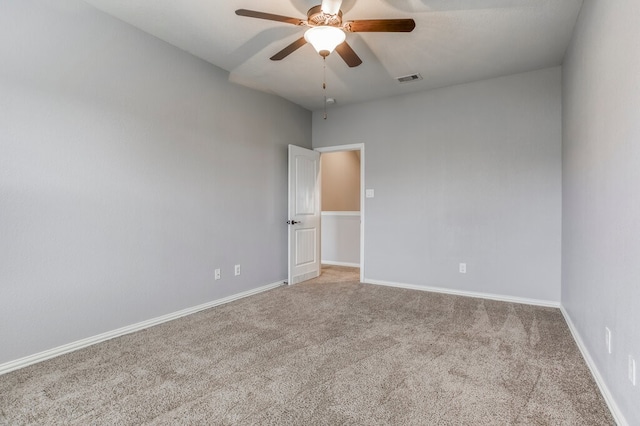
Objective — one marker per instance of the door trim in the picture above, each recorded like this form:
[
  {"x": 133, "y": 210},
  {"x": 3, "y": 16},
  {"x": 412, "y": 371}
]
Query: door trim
[{"x": 354, "y": 147}]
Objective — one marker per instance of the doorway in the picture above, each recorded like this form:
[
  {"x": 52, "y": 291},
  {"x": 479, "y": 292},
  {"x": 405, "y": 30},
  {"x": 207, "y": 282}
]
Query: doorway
[{"x": 342, "y": 216}]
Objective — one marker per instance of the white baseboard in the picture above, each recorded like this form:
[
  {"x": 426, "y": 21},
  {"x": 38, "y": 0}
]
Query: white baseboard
[
  {"x": 604, "y": 390},
  {"x": 512, "y": 299},
  {"x": 333, "y": 263},
  {"x": 83, "y": 343}
]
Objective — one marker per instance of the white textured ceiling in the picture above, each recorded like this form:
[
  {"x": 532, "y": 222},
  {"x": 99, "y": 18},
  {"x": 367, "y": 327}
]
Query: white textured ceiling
[{"x": 455, "y": 41}]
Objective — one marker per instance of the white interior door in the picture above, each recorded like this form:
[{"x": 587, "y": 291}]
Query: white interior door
[{"x": 304, "y": 214}]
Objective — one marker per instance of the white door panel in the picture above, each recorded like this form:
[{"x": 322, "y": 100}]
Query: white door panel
[
  {"x": 304, "y": 214},
  {"x": 306, "y": 172}
]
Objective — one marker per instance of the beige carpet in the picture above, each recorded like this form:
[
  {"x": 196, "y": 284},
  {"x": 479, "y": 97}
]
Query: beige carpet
[{"x": 330, "y": 351}]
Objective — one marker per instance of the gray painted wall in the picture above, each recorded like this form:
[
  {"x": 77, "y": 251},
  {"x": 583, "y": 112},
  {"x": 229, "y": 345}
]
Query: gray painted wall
[
  {"x": 601, "y": 190},
  {"x": 129, "y": 170},
  {"x": 469, "y": 173}
]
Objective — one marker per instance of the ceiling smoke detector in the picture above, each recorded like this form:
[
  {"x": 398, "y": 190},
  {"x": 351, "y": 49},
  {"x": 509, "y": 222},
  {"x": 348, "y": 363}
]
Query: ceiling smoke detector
[{"x": 409, "y": 78}]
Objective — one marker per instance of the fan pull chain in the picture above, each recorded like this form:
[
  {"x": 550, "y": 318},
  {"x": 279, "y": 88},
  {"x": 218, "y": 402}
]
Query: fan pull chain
[{"x": 324, "y": 84}]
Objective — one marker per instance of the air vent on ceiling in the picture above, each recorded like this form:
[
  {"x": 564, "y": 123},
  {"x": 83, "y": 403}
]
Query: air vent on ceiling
[{"x": 408, "y": 78}]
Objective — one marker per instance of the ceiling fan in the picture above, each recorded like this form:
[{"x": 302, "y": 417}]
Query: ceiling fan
[{"x": 327, "y": 30}]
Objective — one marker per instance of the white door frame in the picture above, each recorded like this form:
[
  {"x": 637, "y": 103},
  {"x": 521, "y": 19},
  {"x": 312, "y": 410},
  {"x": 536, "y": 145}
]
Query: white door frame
[{"x": 354, "y": 147}]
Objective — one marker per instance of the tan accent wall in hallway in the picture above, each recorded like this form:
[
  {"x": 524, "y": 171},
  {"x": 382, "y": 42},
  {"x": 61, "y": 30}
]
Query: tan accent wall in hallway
[{"x": 341, "y": 181}]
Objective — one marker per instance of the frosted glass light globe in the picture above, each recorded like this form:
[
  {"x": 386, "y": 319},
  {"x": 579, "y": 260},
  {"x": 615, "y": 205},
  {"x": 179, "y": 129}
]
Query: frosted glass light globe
[{"x": 324, "y": 38}]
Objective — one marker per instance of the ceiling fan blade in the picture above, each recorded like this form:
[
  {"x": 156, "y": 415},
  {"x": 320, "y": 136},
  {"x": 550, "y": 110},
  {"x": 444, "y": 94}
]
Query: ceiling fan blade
[
  {"x": 331, "y": 7},
  {"x": 347, "y": 53},
  {"x": 269, "y": 16},
  {"x": 380, "y": 25},
  {"x": 289, "y": 49}
]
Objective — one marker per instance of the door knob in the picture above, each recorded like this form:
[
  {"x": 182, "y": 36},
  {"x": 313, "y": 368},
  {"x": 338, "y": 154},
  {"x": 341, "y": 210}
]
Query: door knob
[{"x": 292, "y": 222}]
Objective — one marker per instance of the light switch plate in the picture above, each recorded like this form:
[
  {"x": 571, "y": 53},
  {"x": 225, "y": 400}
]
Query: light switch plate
[{"x": 369, "y": 193}]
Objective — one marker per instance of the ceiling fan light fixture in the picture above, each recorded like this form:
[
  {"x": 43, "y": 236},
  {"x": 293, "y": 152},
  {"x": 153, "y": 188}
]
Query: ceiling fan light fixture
[{"x": 324, "y": 38}]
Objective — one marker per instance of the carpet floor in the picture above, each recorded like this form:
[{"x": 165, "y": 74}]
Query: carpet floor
[{"x": 329, "y": 351}]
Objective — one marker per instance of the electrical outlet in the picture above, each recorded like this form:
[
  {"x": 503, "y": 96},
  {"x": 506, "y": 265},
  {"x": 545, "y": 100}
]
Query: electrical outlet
[
  {"x": 607, "y": 339},
  {"x": 236, "y": 270},
  {"x": 632, "y": 370},
  {"x": 217, "y": 274},
  {"x": 463, "y": 268}
]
